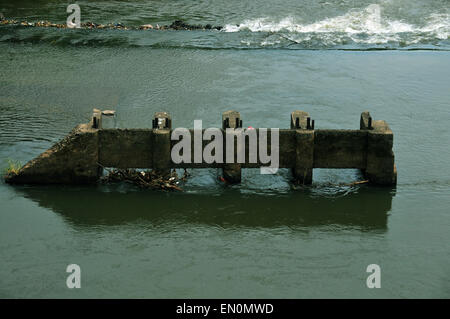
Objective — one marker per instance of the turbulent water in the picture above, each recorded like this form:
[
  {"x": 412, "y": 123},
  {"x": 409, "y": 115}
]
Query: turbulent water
[
  {"x": 264, "y": 237},
  {"x": 358, "y": 25}
]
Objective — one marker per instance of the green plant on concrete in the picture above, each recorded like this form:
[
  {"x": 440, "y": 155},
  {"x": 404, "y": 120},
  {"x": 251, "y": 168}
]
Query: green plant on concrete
[{"x": 13, "y": 167}]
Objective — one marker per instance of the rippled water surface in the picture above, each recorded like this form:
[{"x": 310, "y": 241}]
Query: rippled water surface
[
  {"x": 263, "y": 238},
  {"x": 259, "y": 24}
]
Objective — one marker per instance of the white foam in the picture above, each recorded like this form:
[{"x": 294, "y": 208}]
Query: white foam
[{"x": 368, "y": 21}]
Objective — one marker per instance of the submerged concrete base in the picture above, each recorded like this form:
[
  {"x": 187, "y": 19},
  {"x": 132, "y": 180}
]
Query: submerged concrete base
[{"x": 73, "y": 160}]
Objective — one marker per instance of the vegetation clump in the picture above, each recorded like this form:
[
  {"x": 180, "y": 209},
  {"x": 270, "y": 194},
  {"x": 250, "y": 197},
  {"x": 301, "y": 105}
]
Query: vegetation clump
[
  {"x": 145, "y": 179},
  {"x": 12, "y": 167}
]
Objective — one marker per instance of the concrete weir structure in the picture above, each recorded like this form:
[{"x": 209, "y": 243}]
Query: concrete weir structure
[{"x": 80, "y": 156}]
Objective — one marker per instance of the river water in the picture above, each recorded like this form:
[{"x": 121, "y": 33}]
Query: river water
[{"x": 262, "y": 238}]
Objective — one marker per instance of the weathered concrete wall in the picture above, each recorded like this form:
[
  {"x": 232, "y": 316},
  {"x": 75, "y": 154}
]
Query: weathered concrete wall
[
  {"x": 287, "y": 146},
  {"x": 380, "y": 167},
  {"x": 79, "y": 156},
  {"x": 340, "y": 148},
  {"x": 332, "y": 149},
  {"x": 73, "y": 160},
  {"x": 125, "y": 148}
]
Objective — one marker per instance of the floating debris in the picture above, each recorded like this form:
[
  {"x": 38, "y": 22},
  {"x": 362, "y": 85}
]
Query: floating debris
[
  {"x": 176, "y": 25},
  {"x": 145, "y": 27},
  {"x": 358, "y": 183},
  {"x": 180, "y": 25},
  {"x": 145, "y": 179},
  {"x": 108, "y": 112}
]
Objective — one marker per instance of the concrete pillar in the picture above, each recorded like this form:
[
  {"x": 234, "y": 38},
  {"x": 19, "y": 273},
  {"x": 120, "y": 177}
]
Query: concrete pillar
[
  {"x": 162, "y": 125},
  {"x": 96, "y": 122},
  {"x": 380, "y": 167},
  {"x": 231, "y": 172},
  {"x": 365, "y": 122},
  {"x": 304, "y": 126}
]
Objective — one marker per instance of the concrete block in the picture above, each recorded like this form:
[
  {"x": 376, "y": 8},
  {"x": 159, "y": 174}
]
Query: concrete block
[
  {"x": 380, "y": 167},
  {"x": 73, "y": 160},
  {"x": 304, "y": 159},
  {"x": 232, "y": 173},
  {"x": 365, "y": 122},
  {"x": 161, "y": 143},
  {"x": 96, "y": 121}
]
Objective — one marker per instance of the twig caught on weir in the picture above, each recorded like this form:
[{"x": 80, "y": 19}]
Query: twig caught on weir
[{"x": 145, "y": 179}]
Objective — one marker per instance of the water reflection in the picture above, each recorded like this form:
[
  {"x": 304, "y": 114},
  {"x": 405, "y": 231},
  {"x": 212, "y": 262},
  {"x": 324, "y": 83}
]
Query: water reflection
[{"x": 367, "y": 208}]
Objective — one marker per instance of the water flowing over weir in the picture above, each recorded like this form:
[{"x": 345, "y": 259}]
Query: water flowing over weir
[
  {"x": 79, "y": 157},
  {"x": 375, "y": 26}
]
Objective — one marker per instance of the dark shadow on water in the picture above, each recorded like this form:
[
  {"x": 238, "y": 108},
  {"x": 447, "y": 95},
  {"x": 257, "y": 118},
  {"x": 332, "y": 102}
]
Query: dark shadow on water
[{"x": 366, "y": 208}]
